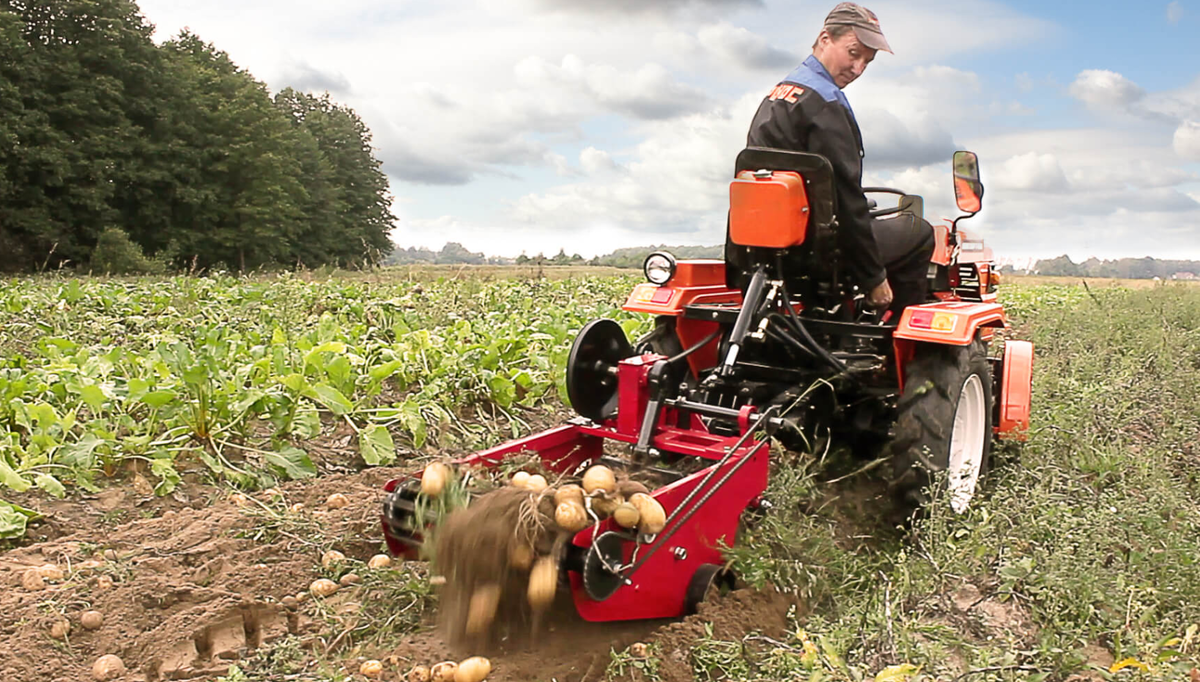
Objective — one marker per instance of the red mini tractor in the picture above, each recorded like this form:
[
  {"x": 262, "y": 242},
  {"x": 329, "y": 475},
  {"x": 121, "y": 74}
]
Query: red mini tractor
[{"x": 771, "y": 340}]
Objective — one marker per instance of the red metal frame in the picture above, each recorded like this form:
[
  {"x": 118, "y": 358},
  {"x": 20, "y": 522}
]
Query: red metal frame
[{"x": 1016, "y": 390}]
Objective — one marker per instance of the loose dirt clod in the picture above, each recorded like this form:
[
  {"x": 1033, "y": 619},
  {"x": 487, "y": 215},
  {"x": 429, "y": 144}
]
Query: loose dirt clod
[{"x": 32, "y": 580}]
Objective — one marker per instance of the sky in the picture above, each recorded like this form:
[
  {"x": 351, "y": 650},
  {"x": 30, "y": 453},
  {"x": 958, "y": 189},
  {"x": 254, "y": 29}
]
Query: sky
[{"x": 530, "y": 126}]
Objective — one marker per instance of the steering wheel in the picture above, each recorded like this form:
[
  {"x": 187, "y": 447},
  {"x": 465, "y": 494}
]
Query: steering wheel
[{"x": 871, "y": 203}]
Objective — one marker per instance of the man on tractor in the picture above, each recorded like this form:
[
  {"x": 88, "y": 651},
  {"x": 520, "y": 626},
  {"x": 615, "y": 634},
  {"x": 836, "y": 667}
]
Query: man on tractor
[{"x": 808, "y": 112}]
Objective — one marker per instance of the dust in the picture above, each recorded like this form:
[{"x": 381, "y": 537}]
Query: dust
[{"x": 477, "y": 550}]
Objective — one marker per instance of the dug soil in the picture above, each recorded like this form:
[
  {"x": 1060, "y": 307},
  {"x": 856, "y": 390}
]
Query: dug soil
[{"x": 189, "y": 585}]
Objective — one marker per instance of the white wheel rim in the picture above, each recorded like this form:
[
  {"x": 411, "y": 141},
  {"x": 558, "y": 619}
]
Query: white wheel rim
[{"x": 966, "y": 444}]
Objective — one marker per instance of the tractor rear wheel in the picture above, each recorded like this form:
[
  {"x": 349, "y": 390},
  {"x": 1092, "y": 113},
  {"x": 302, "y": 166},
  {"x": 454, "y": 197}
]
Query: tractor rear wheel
[{"x": 944, "y": 424}]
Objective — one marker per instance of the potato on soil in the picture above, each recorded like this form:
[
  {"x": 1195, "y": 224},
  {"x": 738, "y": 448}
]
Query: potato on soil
[
  {"x": 418, "y": 674},
  {"x": 91, "y": 620},
  {"x": 372, "y": 669},
  {"x": 444, "y": 671},
  {"x": 474, "y": 669},
  {"x": 60, "y": 629},
  {"x": 379, "y": 561},
  {"x": 323, "y": 587},
  {"x": 332, "y": 558},
  {"x": 599, "y": 477},
  {"x": 50, "y": 572},
  {"x": 107, "y": 667},
  {"x": 482, "y": 609},
  {"x": 639, "y": 650},
  {"x": 32, "y": 580},
  {"x": 543, "y": 580},
  {"x": 435, "y": 478},
  {"x": 350, "y": 579},
  {"x": 336, "y": 501}
]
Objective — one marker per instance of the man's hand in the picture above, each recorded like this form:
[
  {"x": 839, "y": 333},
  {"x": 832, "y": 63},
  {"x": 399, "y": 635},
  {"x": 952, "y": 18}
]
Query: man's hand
[{"x": 881, "y": 296}]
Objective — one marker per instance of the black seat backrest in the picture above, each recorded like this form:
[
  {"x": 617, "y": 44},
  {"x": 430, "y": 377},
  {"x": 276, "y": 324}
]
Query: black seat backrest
[{"x": 808, "y": 260}]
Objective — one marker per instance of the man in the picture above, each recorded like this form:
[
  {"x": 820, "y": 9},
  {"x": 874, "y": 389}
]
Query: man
[{"x": 809, "y": 112}]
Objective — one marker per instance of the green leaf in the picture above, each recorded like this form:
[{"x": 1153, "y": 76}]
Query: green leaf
[
  {"x": 312, "y": 356},
  {"x": 93, "y": 396},
  {"x": 50, "y": 484},
  {"x": 307, "y": 422},
  {"x": 13, "y": 519},
  {"x": 251, "y": 396},
  {"x": 164, "y": 468},
  {"x": 897, "y": 673},
  {"x": 333, "y": 399},
  {"x": 157, "y": 399},
  {"x": 11, "y": 478},
  {"x": 293, "y": 461},
  {"x": 376, "y": 446}
]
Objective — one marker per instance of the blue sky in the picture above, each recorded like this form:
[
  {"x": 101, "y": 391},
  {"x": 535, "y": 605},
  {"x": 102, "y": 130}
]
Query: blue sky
[{"x": 535, "y": 125}]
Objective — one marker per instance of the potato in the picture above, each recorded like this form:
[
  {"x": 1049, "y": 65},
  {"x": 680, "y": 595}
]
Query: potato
[
  {"x": 520, "y": 555},
  {"x": 296, "y": 508},
  {"x": 653, "y": 517},
  {"x": 107, "y": 667},
  {"x": 599, "y": 478},
  {"x": 323, "y": 587},
  {"x": 482, "y": 609},
  {"x": 536, "y": 483},
  {"x": 50, "y": 572},
  {"x": 639, "y": 650},
  {"x": 435, "y": 478},
  {"x": 605, "y": 506},
  {"x": 520, "y": 479},
  {"x": 91, "y": 620},
  {"x": 474, "y": 669},
  {"x": 350, "y": 579},
  {"x": 419, "y": 673},
  {"x": 626, "y": 515},
  {"x": 89, "y": 565},
  {"x": 568, "y": 492},
  {"x": 444, "y": 671},
  {"x": 372, "y": 669},
  {"x": 60, "y": 629},
  {"x": 32, "y": 580},
  {"x": 103, "y": 583},
  {"x": 627, "y": 488},
  {"x": 543, "y": 581},
  {"x": 238, "y": 499},
  {"x": 332, "y": 558},
  {"x": 571, "y": 517},
  {"x": 379, "y": 561},
  {"x": 337, "y": 501}
]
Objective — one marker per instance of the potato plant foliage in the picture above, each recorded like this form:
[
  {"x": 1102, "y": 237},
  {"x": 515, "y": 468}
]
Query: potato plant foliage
[{"x": 242, "y": 373}]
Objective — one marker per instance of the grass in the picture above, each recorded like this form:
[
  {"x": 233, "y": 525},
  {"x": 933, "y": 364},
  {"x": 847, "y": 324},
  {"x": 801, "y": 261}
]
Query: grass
[{"x": 1082, "y": 555}]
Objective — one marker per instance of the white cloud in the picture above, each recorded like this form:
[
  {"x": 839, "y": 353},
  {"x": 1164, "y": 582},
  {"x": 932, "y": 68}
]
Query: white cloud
[
  {"x": 1105, "y": 90},
  {"x": 1174, "y": 12},
  {"x": 1186, "y": 141},
  {"x": 1031, "y": 171},
  {"x": 1023, "y": 81},
  {"x": 650, "y": 92},
  {"x": 597, "y": 162}
]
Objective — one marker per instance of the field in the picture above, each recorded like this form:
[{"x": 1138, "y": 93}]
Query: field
[{"x": 170, "y": 445}]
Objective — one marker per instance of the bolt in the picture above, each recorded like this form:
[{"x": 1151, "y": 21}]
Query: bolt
[{"x": 680, "y": 553}]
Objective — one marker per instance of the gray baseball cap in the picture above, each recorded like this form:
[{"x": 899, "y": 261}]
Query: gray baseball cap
[{"x": 863, "y": 21}]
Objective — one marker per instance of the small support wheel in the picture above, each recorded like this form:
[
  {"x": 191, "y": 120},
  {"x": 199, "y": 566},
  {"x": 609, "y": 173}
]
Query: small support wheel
[{"x": 707, "y": 579}]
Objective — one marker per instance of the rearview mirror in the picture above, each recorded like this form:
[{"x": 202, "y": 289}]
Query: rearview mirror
[{"x": 968, "y": 190}]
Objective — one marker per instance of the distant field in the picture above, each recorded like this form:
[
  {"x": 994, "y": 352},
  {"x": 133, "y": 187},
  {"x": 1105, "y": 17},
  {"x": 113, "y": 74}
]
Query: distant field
[{"x": 1037, "y": 280}]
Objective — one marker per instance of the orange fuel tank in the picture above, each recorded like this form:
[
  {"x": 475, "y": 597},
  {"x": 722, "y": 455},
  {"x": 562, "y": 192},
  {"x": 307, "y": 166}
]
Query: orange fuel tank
[{"x": 768, "y": 209}]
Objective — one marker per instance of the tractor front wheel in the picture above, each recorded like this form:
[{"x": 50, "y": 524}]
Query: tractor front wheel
[{"x": 944, "y": 424}]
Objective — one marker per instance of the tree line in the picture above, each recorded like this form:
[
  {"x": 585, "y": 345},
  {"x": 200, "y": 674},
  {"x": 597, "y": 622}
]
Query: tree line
[
  {"x": 1121, "y": 268},
  {"x": 170, "y": 153},
  {"x": 630, "y": 257}
]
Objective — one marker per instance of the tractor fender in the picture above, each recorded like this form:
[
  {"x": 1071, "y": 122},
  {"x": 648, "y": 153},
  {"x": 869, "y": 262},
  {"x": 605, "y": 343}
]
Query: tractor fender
[
  {"x": 1016, "y": 390},
  {"x": 952, "y": 323}
]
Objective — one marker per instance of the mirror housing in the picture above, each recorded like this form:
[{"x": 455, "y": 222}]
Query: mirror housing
[{"x": 968, "y": 190}]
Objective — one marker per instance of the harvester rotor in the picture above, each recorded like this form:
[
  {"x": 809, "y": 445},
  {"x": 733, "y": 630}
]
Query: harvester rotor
[{"x": 592, "y": 368}]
